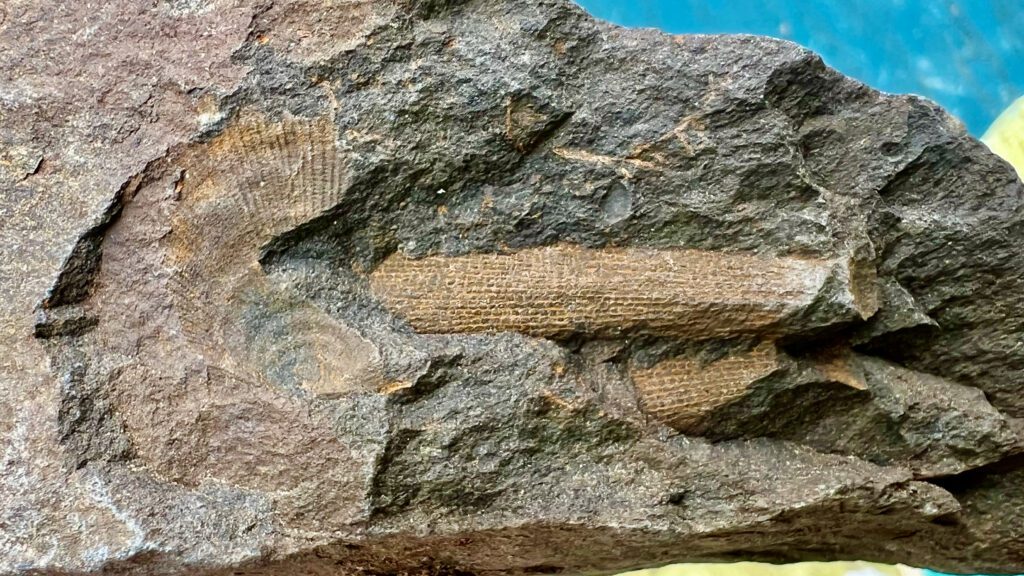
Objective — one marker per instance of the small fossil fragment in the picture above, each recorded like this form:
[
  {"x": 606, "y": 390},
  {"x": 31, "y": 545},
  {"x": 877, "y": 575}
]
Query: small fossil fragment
[{"x": 680, "y": 391}]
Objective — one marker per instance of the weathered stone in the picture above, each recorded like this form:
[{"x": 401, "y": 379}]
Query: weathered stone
[{"x": 489, "y": 287}]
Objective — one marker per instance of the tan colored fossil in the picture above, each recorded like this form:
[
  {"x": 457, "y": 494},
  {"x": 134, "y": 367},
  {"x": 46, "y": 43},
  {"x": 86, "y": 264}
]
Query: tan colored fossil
[
  {"x": 253, "y": 182},
  {"x": 681, "y": 391},
  {"x": 560, "y": 290},
  {"x": 231, "y": 357},
  {"x": 257, "y": 180}
]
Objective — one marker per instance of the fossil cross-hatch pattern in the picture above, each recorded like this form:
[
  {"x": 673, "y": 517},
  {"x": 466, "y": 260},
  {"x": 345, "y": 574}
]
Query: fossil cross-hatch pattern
[{"x": 558, "y": 291}]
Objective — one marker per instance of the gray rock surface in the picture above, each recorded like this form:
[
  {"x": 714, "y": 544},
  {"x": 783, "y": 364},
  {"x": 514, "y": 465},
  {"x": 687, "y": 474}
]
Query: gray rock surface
[{"x": 204, "y": 371}]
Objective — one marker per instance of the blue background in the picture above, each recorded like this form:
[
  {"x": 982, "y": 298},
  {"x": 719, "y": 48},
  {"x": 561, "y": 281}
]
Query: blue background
[{"x": 967, "y": 55}]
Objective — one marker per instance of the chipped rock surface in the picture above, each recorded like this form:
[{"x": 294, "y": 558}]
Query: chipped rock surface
[{"x": 461, "y": 287}]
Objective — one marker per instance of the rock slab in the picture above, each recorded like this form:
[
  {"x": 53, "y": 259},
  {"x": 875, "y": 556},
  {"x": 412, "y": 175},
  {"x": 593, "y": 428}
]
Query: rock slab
[{"x": 489, "y": 287}]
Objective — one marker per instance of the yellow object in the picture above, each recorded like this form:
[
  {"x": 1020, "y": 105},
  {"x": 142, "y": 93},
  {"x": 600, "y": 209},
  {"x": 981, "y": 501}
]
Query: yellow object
[
  {"x": 1005, "y": 136},
  {"x": 798, "y": 569}
]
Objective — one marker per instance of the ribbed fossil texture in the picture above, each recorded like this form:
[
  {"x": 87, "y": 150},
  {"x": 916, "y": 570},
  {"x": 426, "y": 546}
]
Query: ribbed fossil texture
[
  {"x": 254, "y": 181},
  {"x": 561, "y": 290},
  {"x": 681, "y": 391}
]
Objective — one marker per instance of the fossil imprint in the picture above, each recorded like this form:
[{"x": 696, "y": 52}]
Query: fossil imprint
[
  {"x": 257, "y": 180},
  {"x": 558, "y": 291},
  {"x": 680, "y": 391},
  {"x": 253, "y": 182}
]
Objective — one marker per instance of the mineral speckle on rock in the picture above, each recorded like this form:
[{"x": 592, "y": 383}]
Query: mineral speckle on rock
[{"x": 477, "y": 287}]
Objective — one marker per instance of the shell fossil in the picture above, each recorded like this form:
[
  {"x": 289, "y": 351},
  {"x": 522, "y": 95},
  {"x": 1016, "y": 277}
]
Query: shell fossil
[{"x": 253, "y": 183}]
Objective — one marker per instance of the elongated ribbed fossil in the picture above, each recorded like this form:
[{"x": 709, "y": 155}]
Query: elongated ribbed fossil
[{"x": 560, "y": 290}]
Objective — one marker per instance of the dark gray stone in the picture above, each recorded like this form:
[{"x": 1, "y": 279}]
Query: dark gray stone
[{"x": 201, "y": 380}]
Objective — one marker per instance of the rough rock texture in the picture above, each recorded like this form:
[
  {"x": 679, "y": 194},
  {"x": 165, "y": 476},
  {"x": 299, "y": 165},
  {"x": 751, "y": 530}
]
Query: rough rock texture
[{"x": 272, "y": 276}]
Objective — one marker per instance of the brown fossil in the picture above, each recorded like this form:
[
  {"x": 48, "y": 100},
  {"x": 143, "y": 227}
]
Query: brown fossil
[
  {"x": 681, "y": 391},
  {"x": 229, "y": 353},
  {"x": 560, "y": 290},
  {"x": 252, "y": 183},
  {"x": 195, "y": 195}
]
